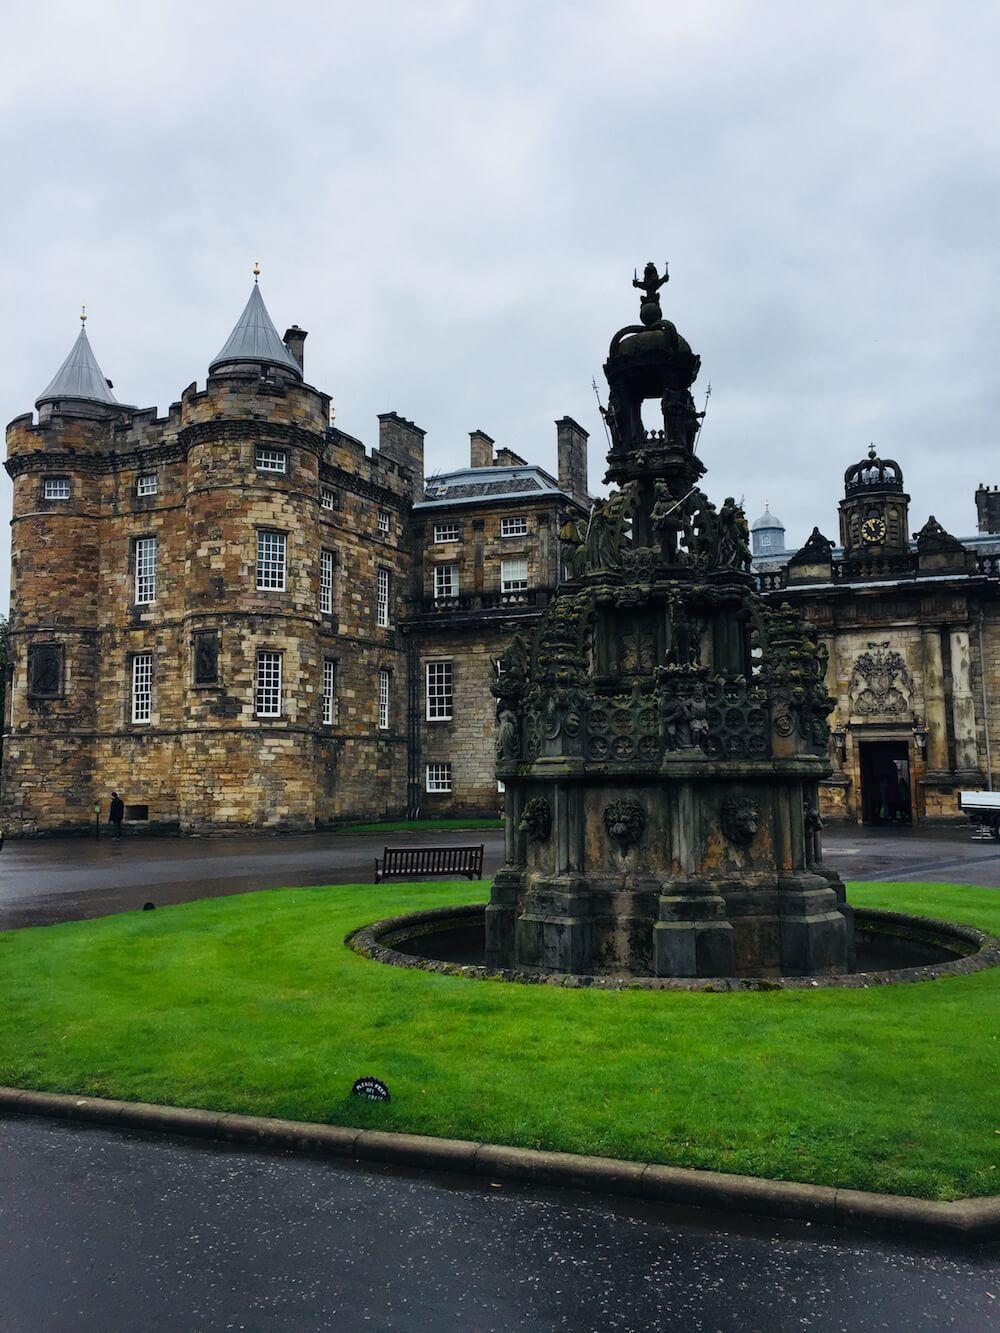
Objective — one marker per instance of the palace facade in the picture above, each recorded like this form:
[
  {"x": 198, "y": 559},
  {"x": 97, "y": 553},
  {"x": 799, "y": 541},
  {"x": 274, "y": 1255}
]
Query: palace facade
[
  {"x": 237, "y": 616},
  {"x": 911, "y": 625}
]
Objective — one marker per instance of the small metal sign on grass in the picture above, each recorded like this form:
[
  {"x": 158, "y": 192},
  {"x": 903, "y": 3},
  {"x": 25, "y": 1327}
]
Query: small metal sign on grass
[{"x": 372, "y": 1088}]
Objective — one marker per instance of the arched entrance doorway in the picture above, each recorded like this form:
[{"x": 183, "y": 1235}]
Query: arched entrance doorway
[{"x": 886, "y": 786}]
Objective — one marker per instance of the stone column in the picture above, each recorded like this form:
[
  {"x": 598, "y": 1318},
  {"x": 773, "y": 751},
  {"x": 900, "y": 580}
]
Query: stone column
[
  {"x": 936, "y": 720},
  {"x": 963, "y": 706}
]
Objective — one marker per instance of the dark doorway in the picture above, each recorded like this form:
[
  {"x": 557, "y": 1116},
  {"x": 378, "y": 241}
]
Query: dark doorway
[{"x": 886, "y": 794}]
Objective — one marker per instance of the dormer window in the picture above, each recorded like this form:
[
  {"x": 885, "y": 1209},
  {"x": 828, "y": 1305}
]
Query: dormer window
[
  {"x": 55, "y": 488},
  {"x": 270, "y": 460}
]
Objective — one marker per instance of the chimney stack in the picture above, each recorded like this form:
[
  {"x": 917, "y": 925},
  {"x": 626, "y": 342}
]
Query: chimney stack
[
  {"x": 571, "y": 446},
  {"x": 403, "y": 442},
  {"x": 481, "y": 449},
  {"x": 294, "y": 340}
]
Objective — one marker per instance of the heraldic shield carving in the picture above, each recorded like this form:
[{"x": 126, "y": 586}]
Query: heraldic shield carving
[{"x": 880, "y": 682}]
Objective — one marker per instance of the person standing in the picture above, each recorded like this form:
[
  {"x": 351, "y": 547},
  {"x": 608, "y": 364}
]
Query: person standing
[{"x": 116, "y": 814}]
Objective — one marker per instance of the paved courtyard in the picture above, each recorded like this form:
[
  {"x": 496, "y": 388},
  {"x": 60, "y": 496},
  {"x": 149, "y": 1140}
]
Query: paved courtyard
[
  {"x": 63, "y": 879},
  {"x": 117, "y": 1231}
]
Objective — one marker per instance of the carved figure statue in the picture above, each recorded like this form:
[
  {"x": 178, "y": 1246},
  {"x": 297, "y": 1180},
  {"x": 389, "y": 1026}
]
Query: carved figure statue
[
  {"x": 624, "y": 821},
  {"x": 572, "y": 535},
  {"x": 698, "y": 714},
  {"x": 510, "y": 676},
  {"x": 536, "y": 819},
  {"x": 740, "y": 820},
  {"x": 680, "y": 420},
  {"x": 734, "y": 537},
  {"x": 701, "y": 527},
  {"x": 508, "y": 738},
  {"x": 614, "y": 416},
  {"x": 606, "y": 530},
  {"x": 651, "y": 282}
]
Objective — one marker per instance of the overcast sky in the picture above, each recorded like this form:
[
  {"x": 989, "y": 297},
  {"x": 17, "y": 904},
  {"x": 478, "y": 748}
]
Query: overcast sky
[{"x": 451, "y": 198}]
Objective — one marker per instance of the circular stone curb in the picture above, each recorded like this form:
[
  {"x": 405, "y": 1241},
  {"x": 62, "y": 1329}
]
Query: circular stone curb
[
  {"x": 963, "y": 1222},
  {"x": 377, "y": 940}
]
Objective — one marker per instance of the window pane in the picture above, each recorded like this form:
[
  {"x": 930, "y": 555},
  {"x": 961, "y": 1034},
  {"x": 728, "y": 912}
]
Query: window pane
[
  {"x": 326, "y": 582},
  {"x": 145, "y": 570},
  {"x": 514, "y": 527},
  {"x": 447, "y": 532},
  {"x": 382, "y": 602},
  {"x": 383, "y": 699},
  {"x": 514, "y": 575},
  {"x": 267, "y": 701},
  {"x": 146, "y": 485},
  {"x": 439, "y": 777},
  {"x": 329, "y": 691},
  {"x": 439, "y": 691},
  {"x": 142, "y": 687},
  {"x": 271, "y": 561},
  {"x": 328, "y": 497},
  {"x": 384, "y": 521},
  {"x": 445, "y": 581},
  {"x": 270, "y": 460},
  {"x": 56, "y": 488}
]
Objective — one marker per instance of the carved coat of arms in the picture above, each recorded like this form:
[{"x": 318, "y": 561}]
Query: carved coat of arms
[{"x": 880, "y": 682}]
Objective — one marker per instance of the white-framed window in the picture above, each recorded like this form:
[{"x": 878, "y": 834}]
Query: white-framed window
[
  {"x": 266, "y": 459},
  {"x": 384, "y": 685},
  {"x": 267, "y": 687},
  {"x": 327, "y": 497},
  {"x": 271, "y": 548},
  {"x": 440, "y": 691},
  {"x": 384, "y": 521},
  {"x": 514, "y": 575},
  {"x": 146, "y": 484},
  {"x": 382, "y": 598},
  {"x": 329, "y": 691},
  {"x": 445, "y": 581},
  {"x": 326, "y": 582},
  {"x": 447, "y": 532},
  {"x": 145, "y": 570},
  {"x": 514, "y": 527},
  {"x": 55, "y": 488},
  {"x": 438, "y": 777},
  {"x": 142, "y": 687}
]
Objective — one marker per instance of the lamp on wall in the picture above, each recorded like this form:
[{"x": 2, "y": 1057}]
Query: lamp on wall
[
  {"x": 840, "y": 741},
  {"x": 919, "y": 735}
]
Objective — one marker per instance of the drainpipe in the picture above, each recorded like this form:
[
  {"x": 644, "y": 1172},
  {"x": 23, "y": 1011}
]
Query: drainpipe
[{"x": 986, "y": 715}]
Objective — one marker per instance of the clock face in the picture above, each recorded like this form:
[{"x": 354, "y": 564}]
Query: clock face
[{"x": 873, "y": 530}]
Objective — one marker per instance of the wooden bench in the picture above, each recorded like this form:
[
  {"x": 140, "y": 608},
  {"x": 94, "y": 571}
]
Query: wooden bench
[{"x": 405, "y": 862}]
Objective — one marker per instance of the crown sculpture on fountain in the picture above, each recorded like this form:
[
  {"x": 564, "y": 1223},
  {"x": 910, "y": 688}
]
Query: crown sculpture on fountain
[{"x": 662, "y": 736}]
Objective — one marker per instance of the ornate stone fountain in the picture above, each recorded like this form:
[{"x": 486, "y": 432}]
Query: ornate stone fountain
[{"x": 662, "y": 736}]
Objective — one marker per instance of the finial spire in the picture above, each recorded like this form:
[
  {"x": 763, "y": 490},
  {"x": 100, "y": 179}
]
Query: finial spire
[
  {"x": 649, "y": 284},
  {"x": 83, "y": 314},
  {"x": 871, "y": 451},
  {"x": 256, "y": 271}
]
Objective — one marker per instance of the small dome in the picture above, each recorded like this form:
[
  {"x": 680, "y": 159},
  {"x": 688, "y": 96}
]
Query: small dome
[{"x": 767, "y": 520}]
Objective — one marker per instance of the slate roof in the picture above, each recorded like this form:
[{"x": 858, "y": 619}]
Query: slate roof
[
  {"x": 79, "y": 377},
  {"x": 255, "y": 339},
  {"x": 480, "y": 483}
]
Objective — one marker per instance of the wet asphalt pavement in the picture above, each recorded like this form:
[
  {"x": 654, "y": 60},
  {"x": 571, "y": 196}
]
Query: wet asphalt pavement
[
  {"x": 64, "y": 879},
  {"x": 103, "y": 1229}
]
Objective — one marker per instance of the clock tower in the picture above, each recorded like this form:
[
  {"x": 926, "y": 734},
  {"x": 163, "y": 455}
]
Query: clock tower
[{"x": 874, "y": 513}]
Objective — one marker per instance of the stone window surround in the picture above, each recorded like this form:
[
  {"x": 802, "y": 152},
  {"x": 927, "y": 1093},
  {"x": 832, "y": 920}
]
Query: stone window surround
[
  {"x": 268, "y": 679},
  {"x": 511, "y": 582},
  {"x": 56, "y": 488},
  {"x": 141, "y": 682},
  {"x": 328, "y": 499},
  {"x": 270, "y": 460},
  {"x": 383, "y": 597},
  {"x": 440, "y": 528},
  {"x": 384, "y": 699},
  {"x": 509, "y": 522},
  {"x": 331, "y": 704},
  {"x": 145, "y": 563},
  {"x": 146, "y": 484},
  {"x": 439, "y": 689},
  {"x": 277, "y": 564},
  {"x": 327, "y": 568},
  {"x": 384, "y": 522},
  {"x": 446, "y": 581},
  {"x": 437, "y": 778}
]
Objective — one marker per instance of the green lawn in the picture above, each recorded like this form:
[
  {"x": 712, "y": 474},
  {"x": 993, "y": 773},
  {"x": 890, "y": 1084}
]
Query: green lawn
[
  {"x": 420, "y": 825},
  {"x": 253, "y": 1003}
]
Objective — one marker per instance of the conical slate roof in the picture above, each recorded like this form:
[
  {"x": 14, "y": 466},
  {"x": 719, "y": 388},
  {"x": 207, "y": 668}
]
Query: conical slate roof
[
  {"x": 79, "y": 377},
  {"x": 255, "y": 339}
]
